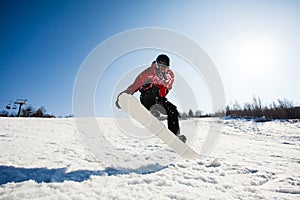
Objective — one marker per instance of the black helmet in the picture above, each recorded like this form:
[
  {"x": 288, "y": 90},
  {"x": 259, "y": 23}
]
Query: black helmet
[{"x": 163, "y": 59}]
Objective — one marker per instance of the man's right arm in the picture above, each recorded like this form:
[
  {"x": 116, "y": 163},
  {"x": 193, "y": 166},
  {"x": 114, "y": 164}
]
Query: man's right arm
[
  {"x": 139, "y": 82},
  {"x": 136, "y": 85}
]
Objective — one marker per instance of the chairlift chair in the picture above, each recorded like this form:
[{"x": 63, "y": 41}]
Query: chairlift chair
[{"x": 8, "y": 106}]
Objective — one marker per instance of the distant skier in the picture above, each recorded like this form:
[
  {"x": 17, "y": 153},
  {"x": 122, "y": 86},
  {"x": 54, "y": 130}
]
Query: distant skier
[{"x": 154, "y": 84}]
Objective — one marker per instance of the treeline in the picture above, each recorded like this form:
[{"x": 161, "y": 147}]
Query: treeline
[
  {"x": 191, "y": 114},
  {"x": 282, "y": 109},
  {"x": 28, "y": 112}
]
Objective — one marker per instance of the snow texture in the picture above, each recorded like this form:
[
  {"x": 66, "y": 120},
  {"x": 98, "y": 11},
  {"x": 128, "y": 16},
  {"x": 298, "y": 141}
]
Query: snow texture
[{"x": 45, "y": 159}]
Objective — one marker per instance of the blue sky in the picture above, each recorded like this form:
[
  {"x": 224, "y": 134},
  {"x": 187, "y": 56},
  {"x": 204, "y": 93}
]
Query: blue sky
[{"x": 254, "y": 45}]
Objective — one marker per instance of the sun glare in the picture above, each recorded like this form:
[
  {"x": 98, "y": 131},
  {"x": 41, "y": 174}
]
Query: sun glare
[{"x": 255, "y": 54}]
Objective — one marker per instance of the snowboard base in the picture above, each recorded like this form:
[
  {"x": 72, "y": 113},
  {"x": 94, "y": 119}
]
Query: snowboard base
[{"x": 136, "y": 110}]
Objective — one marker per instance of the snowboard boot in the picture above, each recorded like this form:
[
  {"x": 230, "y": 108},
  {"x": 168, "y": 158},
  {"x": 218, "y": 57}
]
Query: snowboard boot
[{"x": 182, "y": 138}]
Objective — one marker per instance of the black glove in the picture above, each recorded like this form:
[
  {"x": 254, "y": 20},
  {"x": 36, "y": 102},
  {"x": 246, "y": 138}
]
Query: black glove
[{"x": 117, "y": 101}]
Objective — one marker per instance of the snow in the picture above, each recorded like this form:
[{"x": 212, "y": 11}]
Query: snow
[{"x": 47, "y": 159}]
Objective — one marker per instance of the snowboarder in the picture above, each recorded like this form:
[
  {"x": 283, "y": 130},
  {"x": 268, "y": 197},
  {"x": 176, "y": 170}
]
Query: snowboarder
[{"x": 154, "y": 84}]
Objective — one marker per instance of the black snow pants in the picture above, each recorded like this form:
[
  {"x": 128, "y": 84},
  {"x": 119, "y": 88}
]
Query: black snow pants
[{"x": 154, "y": 103}]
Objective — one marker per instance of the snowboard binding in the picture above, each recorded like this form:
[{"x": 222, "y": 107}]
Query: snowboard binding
[
  {"x": 182, "y": 138},
  {"x": 155, "y": 113}
]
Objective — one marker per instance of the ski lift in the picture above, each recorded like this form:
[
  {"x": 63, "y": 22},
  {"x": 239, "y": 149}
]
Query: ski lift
[
  {"x": 8, "y": 106},
  {"x": 20, "y": 102}
]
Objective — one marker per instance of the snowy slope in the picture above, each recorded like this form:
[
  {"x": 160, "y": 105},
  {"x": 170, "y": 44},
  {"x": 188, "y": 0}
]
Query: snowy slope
[{"x": 46, "y": 159}]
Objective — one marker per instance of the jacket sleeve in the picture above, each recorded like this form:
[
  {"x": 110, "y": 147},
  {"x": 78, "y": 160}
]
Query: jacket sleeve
[
  {"x": 170, "y": 85},
  {"x": 140, "y": 80}
]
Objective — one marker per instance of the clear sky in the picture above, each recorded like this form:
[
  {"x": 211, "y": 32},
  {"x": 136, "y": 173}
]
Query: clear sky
[{"x": 255, "y": 45}]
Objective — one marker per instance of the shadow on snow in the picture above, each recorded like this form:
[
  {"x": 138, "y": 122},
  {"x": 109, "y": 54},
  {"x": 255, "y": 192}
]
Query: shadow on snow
[{"x": 18, "y": 174}]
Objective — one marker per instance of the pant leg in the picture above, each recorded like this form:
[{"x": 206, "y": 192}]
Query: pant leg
[
  {"x": 148, "y": 97},
  {"x": 172, "y": 112}
]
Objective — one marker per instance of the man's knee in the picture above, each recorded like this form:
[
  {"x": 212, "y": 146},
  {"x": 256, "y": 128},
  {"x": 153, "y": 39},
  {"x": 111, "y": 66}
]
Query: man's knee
[{"x": 172, "y": 109}]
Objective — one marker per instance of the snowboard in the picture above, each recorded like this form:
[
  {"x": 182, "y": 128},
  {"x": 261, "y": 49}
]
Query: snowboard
[{"x": 137, "y": 111}]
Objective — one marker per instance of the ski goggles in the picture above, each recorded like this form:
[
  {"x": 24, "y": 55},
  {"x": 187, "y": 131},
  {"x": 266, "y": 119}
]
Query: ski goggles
[{"x": 162, "y": 66}]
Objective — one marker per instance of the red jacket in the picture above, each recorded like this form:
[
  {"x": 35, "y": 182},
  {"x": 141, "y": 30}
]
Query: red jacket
[{"x": 151, "y": 76}]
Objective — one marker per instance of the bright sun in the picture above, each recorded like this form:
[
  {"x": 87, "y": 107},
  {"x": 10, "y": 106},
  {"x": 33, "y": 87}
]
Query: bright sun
[{"x": 255, "y": 54}]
